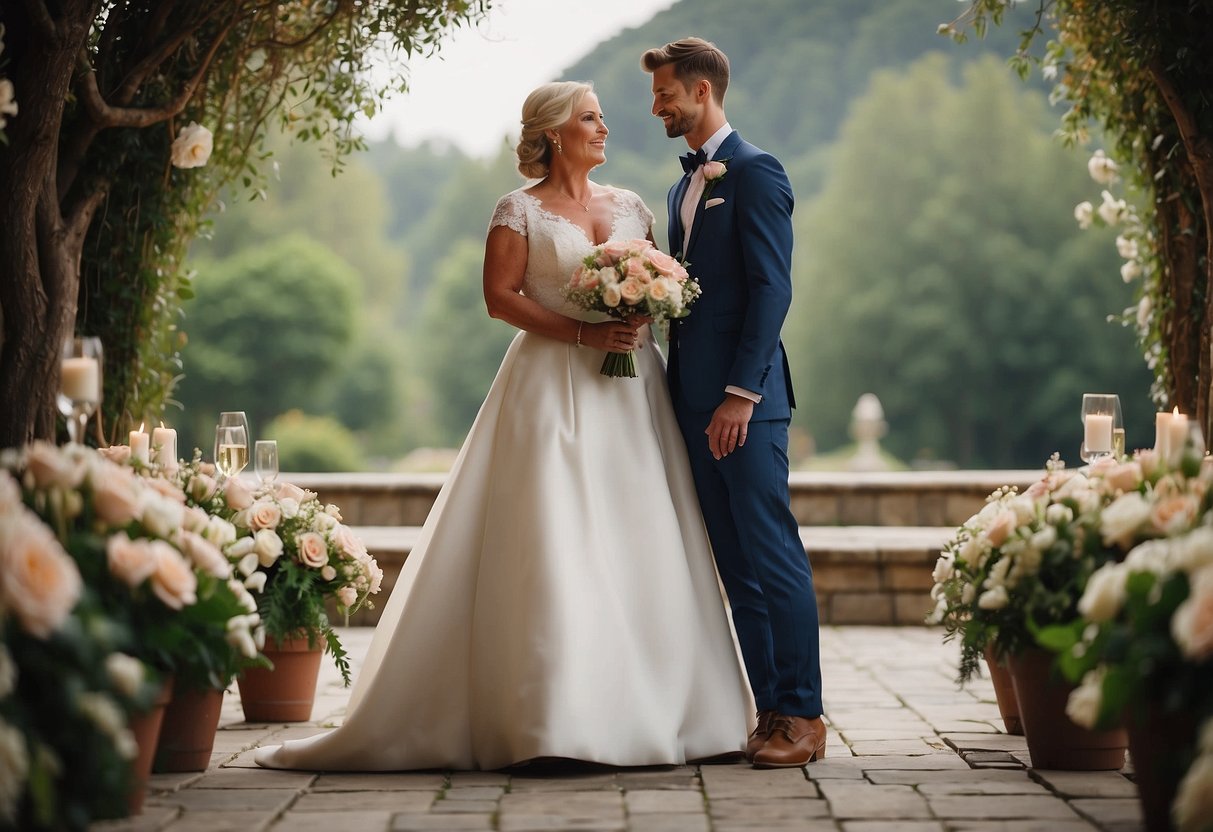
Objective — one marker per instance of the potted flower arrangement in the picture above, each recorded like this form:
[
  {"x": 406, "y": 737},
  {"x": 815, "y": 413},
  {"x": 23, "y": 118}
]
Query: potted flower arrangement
[
  {"x": 1142, "y": 640},
  {"x": 294, "y": 554},
  {"x": 1018, "y": 565},
  {"x": 150, "y": 567}
]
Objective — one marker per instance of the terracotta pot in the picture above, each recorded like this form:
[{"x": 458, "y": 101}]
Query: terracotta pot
[
  {"x": 286, "y": 693},
  {"x": 1155, "y": 742},
  {"x": 146, "y": 728},
  {"x": 188, "y": 732},
  {"x": 1004, "y": 692},
  {"x": 1053, "y": 740}
]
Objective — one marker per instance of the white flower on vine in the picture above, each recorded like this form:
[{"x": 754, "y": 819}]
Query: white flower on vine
[
  {"x": 1126, "y": 247},
  {"x": 1102, "y": 169},
  {"x": 8, "y": 100},
  {"x": 1130, "y": 271},
  {"x": 192, "y": 147},
  {"x": 1112, "y": 210},
  {"x": 1144, "y": 308},
  {"x": 1084, "y": 212}
]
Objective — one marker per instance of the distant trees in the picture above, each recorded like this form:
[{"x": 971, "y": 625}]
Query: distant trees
[{"x": 941, "y": 269}]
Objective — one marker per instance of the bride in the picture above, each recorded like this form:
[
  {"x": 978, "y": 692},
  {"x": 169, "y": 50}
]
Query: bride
[{"x": 561, "y": 600}]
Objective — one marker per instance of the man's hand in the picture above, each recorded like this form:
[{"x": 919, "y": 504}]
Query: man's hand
[{"x": 730, "y": 423}]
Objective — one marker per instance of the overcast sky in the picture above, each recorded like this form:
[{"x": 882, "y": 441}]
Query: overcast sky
[{"x": 471, "y": 93}]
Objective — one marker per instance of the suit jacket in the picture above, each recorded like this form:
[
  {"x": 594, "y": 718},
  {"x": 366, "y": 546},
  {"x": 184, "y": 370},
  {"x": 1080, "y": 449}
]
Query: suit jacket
[{"x": 740, "y": 250}]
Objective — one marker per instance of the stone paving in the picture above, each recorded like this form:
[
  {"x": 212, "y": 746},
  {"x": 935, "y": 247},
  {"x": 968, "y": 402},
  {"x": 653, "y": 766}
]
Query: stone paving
[{"x": 908, "y": 752}]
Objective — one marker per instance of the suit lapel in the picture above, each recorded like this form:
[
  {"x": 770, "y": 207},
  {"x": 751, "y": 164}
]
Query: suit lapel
[
  {"x": 725, "y": 151},
  {"x": 674, "y": 225}
]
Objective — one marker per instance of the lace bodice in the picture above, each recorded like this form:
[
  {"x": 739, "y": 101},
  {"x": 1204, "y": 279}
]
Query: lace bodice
[{"x": 555, "y": 245}]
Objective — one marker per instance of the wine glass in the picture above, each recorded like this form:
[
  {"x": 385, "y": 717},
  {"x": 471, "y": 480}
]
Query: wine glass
[
  {"x": 79, "y": 383},
  {"x": 231, "y": 449},
  {"x": 1118, "y": 431},
  {"x": 265, "y": 460},
  {"x": 1099, "y": 421}
]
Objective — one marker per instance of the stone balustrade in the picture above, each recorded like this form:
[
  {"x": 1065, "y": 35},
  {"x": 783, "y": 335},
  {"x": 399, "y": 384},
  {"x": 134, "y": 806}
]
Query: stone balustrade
[{"x": 872, "y": 538}]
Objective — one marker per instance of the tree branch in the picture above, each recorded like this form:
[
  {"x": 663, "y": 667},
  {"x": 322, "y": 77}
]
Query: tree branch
[{"x": 150, "y": 62}]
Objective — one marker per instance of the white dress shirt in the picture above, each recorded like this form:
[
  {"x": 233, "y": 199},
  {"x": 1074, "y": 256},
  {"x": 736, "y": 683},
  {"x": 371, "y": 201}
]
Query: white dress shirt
[{"x": 690, "y": 201}]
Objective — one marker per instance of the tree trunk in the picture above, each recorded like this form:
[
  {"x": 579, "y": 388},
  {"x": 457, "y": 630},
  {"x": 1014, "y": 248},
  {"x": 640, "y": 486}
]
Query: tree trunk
[{"x": 39, "y": 253}]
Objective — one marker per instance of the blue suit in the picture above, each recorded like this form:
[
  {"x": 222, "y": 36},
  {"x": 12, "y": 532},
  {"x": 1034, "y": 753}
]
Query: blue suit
[{"x": 740, "y": 250}]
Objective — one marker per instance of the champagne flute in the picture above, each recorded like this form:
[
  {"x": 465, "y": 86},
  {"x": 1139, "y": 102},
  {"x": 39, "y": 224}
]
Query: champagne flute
[
  {"x": 265, "y": 460},
  {"x": 231, "y": 449},
  {"x": 79, "y": 383},
  {"x": 235, "y": 418},
  {"x": 1118, "y": 430},
  {"x": 1098, "y": 425}
]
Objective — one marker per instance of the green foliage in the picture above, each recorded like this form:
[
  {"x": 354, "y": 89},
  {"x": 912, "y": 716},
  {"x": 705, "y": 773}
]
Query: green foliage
[
  {"x": 269, "y": 328},
  {"x": 314, "y": 443},
  {"x": 294, "y": 594},
  {"x": 941, "y": 270}
]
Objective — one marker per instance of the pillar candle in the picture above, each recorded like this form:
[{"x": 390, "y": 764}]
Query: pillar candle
[
  {"x": 1162, "y": 433},
  {"x": 1097, "y": 433},
  {"x": 1177, "y": 437},
  {"x": 139, "y": 445},
  {"x": 80, "y": 379},
  {"x": 164, "y": 446}
]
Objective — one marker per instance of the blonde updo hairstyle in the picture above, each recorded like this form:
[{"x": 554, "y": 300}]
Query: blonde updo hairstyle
[{"x": 548, "y": 107}]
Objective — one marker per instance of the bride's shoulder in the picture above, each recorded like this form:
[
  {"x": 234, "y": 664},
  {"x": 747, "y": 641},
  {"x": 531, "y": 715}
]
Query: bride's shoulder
[
  {"x": 511, "y": 212},
  {"x": 629, "y": 200}
]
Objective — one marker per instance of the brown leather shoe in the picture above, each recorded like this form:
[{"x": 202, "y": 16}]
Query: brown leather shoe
[
  {"x": 760, "y": 734},
  {"x": 795, "y": 741}
]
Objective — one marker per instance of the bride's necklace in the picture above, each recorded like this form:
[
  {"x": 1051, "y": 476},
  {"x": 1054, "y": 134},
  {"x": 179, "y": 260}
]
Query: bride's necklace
[{"x": 585, "y": 206}]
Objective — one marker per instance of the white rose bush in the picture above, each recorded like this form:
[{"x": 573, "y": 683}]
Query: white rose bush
[
  {"x": 289, "y": 553},
  {"x": 626, "y": 278}
]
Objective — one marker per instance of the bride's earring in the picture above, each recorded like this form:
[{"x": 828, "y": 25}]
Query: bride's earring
[{"x": 559, "y": 147}]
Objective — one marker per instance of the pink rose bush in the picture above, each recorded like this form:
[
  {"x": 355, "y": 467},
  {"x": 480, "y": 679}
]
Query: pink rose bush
[
  {"x": 289, "y": 553},
  {"x": 625, "y": 278}
]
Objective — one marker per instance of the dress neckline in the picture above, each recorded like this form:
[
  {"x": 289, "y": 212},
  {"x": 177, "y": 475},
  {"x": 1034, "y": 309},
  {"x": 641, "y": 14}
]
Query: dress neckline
[{"x": 610, "y": 192}]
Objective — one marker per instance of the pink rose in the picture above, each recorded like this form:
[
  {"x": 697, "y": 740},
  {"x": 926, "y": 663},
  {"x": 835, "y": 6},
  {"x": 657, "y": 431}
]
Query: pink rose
[
  {"x": 349, "y": 544},
  {"x": 116, "y": 498},
  {"x": 999, "y": 530},
  {"x": 237, "y": 494},
  {"x": 1126, "y": 476},
  {"x": 130, "y": 561},
  {"x": 173, "y": 581},
  {"x": 1037, "y": 490},
  {"x": 165, "y": 489},
  {"x": 578, "y": 277},
  {"x": 636, "y": 271},
  {"x": 202, "y": 487},
  {"x": 204, "y": 555},
  {"x": 290, "y": 491},
  {"x": 347, "y": 596},
  {"x": 615, "y": 249},
  {"x": 659, "y": 290},
  {"x": 662, "y": 262},
  {"x": 196, "y": 520},
  {"x": 313, "y": 550},
  {"x": 1192, "y": 623},
  {"x": 118, "y": 454},
  {"x": 1174, "y": 514},
  {"x": 713, "y": 171},
  {"x": 51, "y": 468},
  {"x": 631, "y": 291},
  {"x": 264, "y": 515},
  {"x": 39, "y": 582}
]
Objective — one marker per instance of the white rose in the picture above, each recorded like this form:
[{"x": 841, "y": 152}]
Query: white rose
[
  {"x": 240, "y": 548},
  {"x": 1130, "y": 271},
  {"x": 248, "y": 564},
  {"x": 1105, "y": 594},
  {"x": 125, "y": 673},
  {"x": 611, "y": 296},
  {"x": 203, "y": 554},
  {"x": 219, "y": 531},
  {"x": 1084, "y": 702},
  {"x": 1024, "y": 508},
  {"x": 1112, "y": 210},
  {"x": 290, "y": 507},
  {"x": 256, "y": 582},
  {"x": 192, "y": 147},
  {"x": 196, "y": 521},
  {"x": 1150, "y": 556},
  {"x": 242, "y": 594},
  {"x": 162, "y": 517},
  {"x": 1044, "y": 538},
  {"x": 1120, "y": 521},
  {"x": 1126, "y": 247},
  {"x": 1084, "y": 212},
  {"x": 268, "y": 547},
  {"x": 967, "y": 594},
  {"x": 994, "y": 599},
  {"x": 1194, "y": 551},
  {"x": 943, "y": 568},
  {"x": 1193, "y": 806}
]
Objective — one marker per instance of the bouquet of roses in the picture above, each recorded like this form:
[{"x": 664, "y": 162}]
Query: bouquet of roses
[{"x": 626, "y": 278}]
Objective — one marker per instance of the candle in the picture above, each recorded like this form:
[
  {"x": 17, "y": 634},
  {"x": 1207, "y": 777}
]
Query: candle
[
  {"x": 1097, "y": 433},
  {"x": 164, "y": 446},
  {"x": 1162, "y": 433},
  {"x": 80, "y": 379},
  {"x": 139, "y": 445},
  {"x": 1177, "y": 437}
]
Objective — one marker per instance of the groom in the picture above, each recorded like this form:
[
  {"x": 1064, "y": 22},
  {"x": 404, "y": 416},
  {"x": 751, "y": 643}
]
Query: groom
[{"x": 731, "y": 220}]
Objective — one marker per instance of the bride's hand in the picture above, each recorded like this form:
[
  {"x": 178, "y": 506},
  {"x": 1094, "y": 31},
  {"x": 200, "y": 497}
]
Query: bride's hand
[{"x": 611, "y": 336}]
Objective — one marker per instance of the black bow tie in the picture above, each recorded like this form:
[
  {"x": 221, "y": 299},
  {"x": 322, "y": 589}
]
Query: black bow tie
[{"x": 690, "y": 161}]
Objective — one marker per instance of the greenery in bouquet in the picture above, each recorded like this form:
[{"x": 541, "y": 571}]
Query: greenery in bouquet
[
  {"x": 1019, "y": 564},
  {"x": 631, "y": 278},
  {"x": 67, "y": 693},
  {"x": 291, "y": 551}
]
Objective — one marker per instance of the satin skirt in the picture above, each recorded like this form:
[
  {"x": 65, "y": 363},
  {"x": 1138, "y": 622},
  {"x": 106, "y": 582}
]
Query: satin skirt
[{"x": 561, "y": 601}]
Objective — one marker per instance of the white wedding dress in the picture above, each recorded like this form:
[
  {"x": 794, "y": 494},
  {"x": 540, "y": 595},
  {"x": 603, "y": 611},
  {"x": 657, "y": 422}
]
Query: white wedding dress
[{"x": 562, "y": 600}]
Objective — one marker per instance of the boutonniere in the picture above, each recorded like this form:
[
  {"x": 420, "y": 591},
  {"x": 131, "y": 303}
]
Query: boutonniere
[{"x": 713, "y": 172}]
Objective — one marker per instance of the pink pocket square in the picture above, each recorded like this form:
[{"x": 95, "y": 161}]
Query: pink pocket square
[{"x": 712, "y": 203}]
